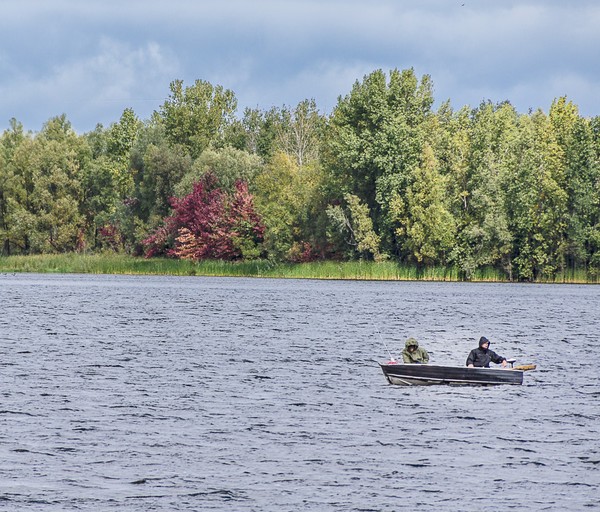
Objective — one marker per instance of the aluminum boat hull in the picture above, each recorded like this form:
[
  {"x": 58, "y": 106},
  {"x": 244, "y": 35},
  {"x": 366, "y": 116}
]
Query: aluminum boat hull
[{"x": 429, "y": 374}]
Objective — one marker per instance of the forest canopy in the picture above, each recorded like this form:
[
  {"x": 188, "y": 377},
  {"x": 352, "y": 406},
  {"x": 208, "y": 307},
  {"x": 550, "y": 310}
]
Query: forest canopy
[{"x": 384, "y": 176}]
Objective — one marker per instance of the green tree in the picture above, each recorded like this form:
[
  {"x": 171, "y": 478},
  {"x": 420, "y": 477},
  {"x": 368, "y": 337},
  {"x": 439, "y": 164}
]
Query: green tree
[
  {"x": 426, "y": 225},
  {"x": 375, "y": 142},
  {"x": 539, "y": 203},
  {"x": 288, "y": 198},
  {"x": 121, "y": 139},
  {"x": 583, "y": 203},
  {"x": 49, "y": 218},
  {"x": 260, "y": 131},
  {"x": 10, "y": 189},
  {"x": 299, "y": 132},
  {"x": 574, "y": 135},
  {"x": 103, "y": 205},
  {"x": 228, "y": 165},
  {"x": 248, "y": 133},
  {"x": 18, "y": 189},
  {"x": 163, "y": 168},
  {"x": 108, "y": 182},
  {"x": 197, "y": 117},
  {"x": 356, "y": 227},
  {"x": 484, "y": 236}
]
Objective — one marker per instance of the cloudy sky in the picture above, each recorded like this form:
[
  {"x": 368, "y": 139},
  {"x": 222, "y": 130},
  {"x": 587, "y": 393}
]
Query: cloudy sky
[{"x": 91, "y": 59}]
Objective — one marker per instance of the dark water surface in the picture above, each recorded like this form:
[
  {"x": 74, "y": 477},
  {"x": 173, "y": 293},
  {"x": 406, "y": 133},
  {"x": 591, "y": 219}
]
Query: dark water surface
[{"x": 168, "y": 393}]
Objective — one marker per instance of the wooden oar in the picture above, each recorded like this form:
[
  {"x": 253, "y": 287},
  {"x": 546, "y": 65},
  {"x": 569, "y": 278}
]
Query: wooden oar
[{"x": 525, "y": 367}]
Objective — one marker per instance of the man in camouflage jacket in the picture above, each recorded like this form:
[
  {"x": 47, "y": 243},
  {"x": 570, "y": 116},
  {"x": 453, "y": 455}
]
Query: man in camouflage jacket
[{"x": 412, "y": 353}]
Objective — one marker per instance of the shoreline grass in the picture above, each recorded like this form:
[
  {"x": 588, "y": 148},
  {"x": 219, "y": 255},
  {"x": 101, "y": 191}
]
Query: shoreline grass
[{"x": 110, "y": 263}]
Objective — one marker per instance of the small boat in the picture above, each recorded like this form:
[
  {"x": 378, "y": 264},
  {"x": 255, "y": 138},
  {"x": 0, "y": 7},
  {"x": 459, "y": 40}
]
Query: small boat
[{"x": 429, "y": 374}]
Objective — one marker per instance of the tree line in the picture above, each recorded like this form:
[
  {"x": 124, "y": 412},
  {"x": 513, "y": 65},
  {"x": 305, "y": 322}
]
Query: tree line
[{"x": 384, "y": 176}]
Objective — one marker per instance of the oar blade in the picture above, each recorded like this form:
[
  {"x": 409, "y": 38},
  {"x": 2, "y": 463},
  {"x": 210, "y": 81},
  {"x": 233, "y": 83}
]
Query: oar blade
[{"x": 525, "y": 367}]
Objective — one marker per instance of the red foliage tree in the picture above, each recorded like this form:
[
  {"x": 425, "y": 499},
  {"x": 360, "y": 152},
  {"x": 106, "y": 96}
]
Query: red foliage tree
[
  {"x": 245, "y": 225},
  {"x": 208, "y": 223},
  {"x": 159, "y": 242},
  {"x": 186, "y": 245}
]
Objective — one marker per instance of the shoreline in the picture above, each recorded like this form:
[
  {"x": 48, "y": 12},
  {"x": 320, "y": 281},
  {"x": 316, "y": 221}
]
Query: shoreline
[{"x": 111, "y": 263}]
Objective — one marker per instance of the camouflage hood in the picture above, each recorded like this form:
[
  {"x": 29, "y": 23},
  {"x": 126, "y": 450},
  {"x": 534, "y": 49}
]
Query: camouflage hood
[{"x": 411, "y": 342}]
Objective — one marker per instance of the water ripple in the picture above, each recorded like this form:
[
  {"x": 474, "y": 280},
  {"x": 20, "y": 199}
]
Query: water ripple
[{"x": 161, "y": 393}]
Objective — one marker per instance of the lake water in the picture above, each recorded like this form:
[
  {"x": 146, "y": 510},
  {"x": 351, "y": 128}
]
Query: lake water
[{"x": 189, "y": 393}]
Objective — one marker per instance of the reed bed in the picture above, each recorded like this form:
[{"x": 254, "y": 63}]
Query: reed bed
[{"x": 110, "y": 263}]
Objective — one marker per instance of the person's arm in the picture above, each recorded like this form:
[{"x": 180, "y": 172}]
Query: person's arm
[
  {"x": 405, "y": 357},
  {"x": 425, "y": 356},
  {"x": 498, "y": 359},
  {"x": 471, "y": 359}
]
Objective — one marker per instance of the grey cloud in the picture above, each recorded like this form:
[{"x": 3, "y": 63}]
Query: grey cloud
[
  {"x": 93, "y": 89},
  {"x": 81, "y": 57}
]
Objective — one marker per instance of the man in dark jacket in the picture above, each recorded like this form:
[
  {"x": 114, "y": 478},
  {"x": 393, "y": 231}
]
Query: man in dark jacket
[{"x": 482, "y": 356}]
